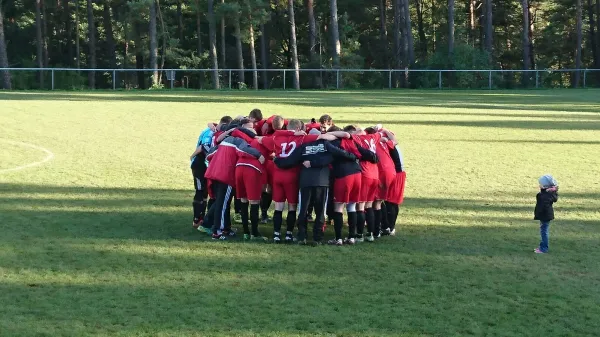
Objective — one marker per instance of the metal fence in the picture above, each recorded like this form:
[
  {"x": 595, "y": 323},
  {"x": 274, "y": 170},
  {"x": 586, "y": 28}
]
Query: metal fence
[{"x": 79, "y": 79}]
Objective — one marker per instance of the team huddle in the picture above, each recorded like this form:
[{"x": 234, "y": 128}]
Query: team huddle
[{"x": 313, "y": 166}]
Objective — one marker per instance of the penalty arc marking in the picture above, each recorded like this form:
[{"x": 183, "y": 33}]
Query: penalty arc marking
[{"x": 49, "y": 156}]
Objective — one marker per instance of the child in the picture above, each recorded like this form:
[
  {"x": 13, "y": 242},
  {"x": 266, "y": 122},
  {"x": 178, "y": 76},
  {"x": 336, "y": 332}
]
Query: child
[{"x": 543, "y": 209}]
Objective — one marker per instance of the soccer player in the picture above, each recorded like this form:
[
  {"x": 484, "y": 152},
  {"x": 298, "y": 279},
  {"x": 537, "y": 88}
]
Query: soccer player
[
  {"x": 221, "y": 171},
  {"x": 285, "y": 182},
  {"x": 326, "y": 122},
  {"x": 199, "y": 166},
  {"x": 396, "y": 195},
  {"x": 315, "y": 158},
  {"x": 387, "y": 174}
]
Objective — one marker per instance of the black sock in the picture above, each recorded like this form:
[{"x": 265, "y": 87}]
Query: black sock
[
  {"x": 277, "y": 221},
  {"x": 338, "y": 223},
  {"x": 254, "y": 219},
  {"x": 237, "y": 206},
  {"x": 265, "y": 203},
  {"x": 351, "y": 224},
  {"x": 291, "y": 221},
  {"x": 370, "y": 219},
  {"x": 384, "y": 218},
  {"x": 377, "y": 225},
  {"x": 244, "y": 213},
  {"x": 394, "y": 215},
  {"x": 360, "y": 222}
]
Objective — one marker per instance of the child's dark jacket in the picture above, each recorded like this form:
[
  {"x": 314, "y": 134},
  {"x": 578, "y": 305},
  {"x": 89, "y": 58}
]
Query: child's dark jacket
[{"x": 543, "y": 207}]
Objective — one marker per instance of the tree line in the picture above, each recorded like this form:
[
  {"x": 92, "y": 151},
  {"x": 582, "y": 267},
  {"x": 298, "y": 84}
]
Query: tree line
[{"x": 253, "y": 36}]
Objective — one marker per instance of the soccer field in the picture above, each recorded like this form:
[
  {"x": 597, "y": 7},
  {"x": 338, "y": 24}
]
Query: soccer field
[{"x": 96, "y": 236}]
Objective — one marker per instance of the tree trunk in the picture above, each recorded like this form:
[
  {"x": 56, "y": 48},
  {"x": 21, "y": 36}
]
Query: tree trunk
[
  {"x": 223, "y": 45},
  {"x": 4, "y": 74},
  {"x": 263, "y": 56},
  {"x": 409, "y": 37},
  {"x": 383, "y": 34},
  {"x": 397, "y": 56},
  {"x": 526, "y": 59},
  {"x": 199, "y": 48},
  {"x": 421, "y": 28},
  {"x": 139, "y": 55},
  {"x": 488, "y": 29},
  {"x": 579, "y": 42},
  {"x": 68, "y": 34},
  {"x": 153, "y": 43},
  {"x": 110, "y": 40},
  {"x": 335, "y": 34},
  {"x": 163, "y": 51},
  {"x": 471, "y": 22},
  {"x": 179, "y": 23},
  {"x": 593, "y": 32},
  {"x": 91, "y": 44},
  {"x": 39, "y": 40},
  {"x": 312, "y": 38},
  {"x": 253, "y": 56},
  {"x": 212, "y": 33},
  {"x": 45, "y": 34},
  {"x": 77, "y": 47},
  {"x": 531, "y": 28},
  {"x": 451, "y": 31},
  {"x": 294, "y": 45},
  {"x": 238, "y": 47}
]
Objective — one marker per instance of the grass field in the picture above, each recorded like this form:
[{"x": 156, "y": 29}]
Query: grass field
[{"x": 97, "y": 239}]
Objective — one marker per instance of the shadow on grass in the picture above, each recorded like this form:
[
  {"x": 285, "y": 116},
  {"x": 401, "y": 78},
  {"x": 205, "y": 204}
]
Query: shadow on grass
[{"x": 572, "y": 100}]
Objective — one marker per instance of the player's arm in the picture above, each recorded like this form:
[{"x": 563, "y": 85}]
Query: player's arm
[
  {"x": 293, "y": 160},
  {"x": 389, "y": 135},
  {"x": 339, "y": 153},
  {"x": 320, "y": 160},
  {"x": 367, "y": 155},
  {"x": 337, "y": 134},
  {"x": 199, "y": 150},
  {"x": 224, "y": 135}
]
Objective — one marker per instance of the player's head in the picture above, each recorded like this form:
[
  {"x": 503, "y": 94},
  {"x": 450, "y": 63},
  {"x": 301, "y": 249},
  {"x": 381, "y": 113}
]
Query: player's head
[
  {"x": 326, "y": 122},
  {"x": 334, "y": 128},
  {"x": 370, "y": 130},
  {"x": 278, "y": 123},
  {"x": 295, "y": 125},
  {"x": 247, "y": 123},
  {"x": 255, "y": 115},
  {"x": 350, "y": 128},
  {"x": 225, "y": 120}
]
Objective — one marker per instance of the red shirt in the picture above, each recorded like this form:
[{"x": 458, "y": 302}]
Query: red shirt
[
  {"x": 311, "y": 126},
  {"x": 245, "y": 159},
  {"x": 369, "y": 142},
  {"x": 258, "y": 126},
  {"x": 269, "y": 122},
  {"x": 215, "y": 136},
  {"x": 283, "y": 143},
  {"x": 385, "y": 164}
]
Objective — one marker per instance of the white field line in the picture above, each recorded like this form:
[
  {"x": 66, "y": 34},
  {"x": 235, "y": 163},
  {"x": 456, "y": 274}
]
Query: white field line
[{"x": 49, "y": 156}]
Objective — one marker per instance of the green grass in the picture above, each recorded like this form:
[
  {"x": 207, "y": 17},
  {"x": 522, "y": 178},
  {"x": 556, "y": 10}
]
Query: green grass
[{"x": 98, "y": 240}]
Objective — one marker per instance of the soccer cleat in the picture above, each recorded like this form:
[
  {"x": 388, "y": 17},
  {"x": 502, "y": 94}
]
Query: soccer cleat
[
  {"x": 197, "y": 223},
  {"x": 350, "y": 241},
  {"x": 246, "y": 237},
  {"x": 302, "y": 242},
  {"x": 230, "y": 233},
  {"x": 378, "y": 235},
  {"x": 370, "y": 238},
  {"x": 276, "y": 238},
  {"x": 289, "y": 238},
  {"x": 360, "y": 238},
  {"x": 221, "y": 237},
  {"x": 335, "y": 242},
  {"x": 538, "y": 251},
  {"x": 265, "y": 219},
  {"x": 206, "y": 230},
  {"x": 385, "y": 232},
  {"x": 393, "y": 232}
]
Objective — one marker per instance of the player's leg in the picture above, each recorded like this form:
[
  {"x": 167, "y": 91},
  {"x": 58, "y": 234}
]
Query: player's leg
[
  {"x": 241, "y": 177},
  {"x": 199, "y": 202},
  {"x": 254, "y": 183},
  {"x": 303, "y": 205},
  {"x": 292, "y": 194},
  {"x": 279, "y": 198},
  {"x": 218, "y": 224},
  {"x": 321, "y": 197}
]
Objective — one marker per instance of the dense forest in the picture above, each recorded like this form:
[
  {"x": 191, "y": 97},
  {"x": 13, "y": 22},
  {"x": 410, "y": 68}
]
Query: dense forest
[{"x": 254, "y": 36}]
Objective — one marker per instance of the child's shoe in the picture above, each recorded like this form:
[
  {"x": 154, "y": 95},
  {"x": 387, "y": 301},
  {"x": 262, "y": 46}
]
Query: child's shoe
[{"x": 538, "y": 251}]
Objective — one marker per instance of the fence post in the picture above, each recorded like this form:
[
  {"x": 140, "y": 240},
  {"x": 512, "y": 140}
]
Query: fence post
[
  {"x": 114, "y": 80},
  {"x": 490, "y": 80},
  {"x": 584, "y": 77},
  {"x": 283, "y": 79},
  {"x": 440, "y": 80},
  {"x": 390, "y": 79},
  {"x": 337, "y": 79},
  {"x": 229, "y": 79},
  {"x": 537, "y": 79},
  {"x": 52, "y": 79}
]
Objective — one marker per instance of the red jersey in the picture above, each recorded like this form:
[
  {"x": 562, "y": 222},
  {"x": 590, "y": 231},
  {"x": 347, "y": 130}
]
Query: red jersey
[
  {"x": 311, "y": 126},
  {"x": 258, "y": 126},
  {"x": 283, "y": 143},
  {"x": 369, "y": 142},
  {"x": 244, "y": 159},
  {"x": 383, "y": 154},
  {"x": 269, "y": 123},
  {"x": 215, "y": 136}
]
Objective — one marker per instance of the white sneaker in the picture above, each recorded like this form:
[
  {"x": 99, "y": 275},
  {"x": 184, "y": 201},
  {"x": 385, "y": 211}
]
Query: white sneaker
[
  {"x": 393, "y": 232},
  {"x": 335, "y": 242},
  {"x": 370, "y": 238},
  {"x": 350, "y": 241}
]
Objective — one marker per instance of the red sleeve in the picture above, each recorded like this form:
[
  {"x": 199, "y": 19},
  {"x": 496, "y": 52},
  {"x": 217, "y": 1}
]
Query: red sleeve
[
  {"x": 310, "y": 138},
  {"x": 269, "y": 143},
  {"x": 216, "y": 135},
  {"x": 390, "y": 144},
  {"x": 258, "y": 127},
  {"x": 270, "y": 119},
  {"x": 240, "y": 134}
]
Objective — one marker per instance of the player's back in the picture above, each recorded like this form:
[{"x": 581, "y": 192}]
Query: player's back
[{"x": 369, "y": 142}]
